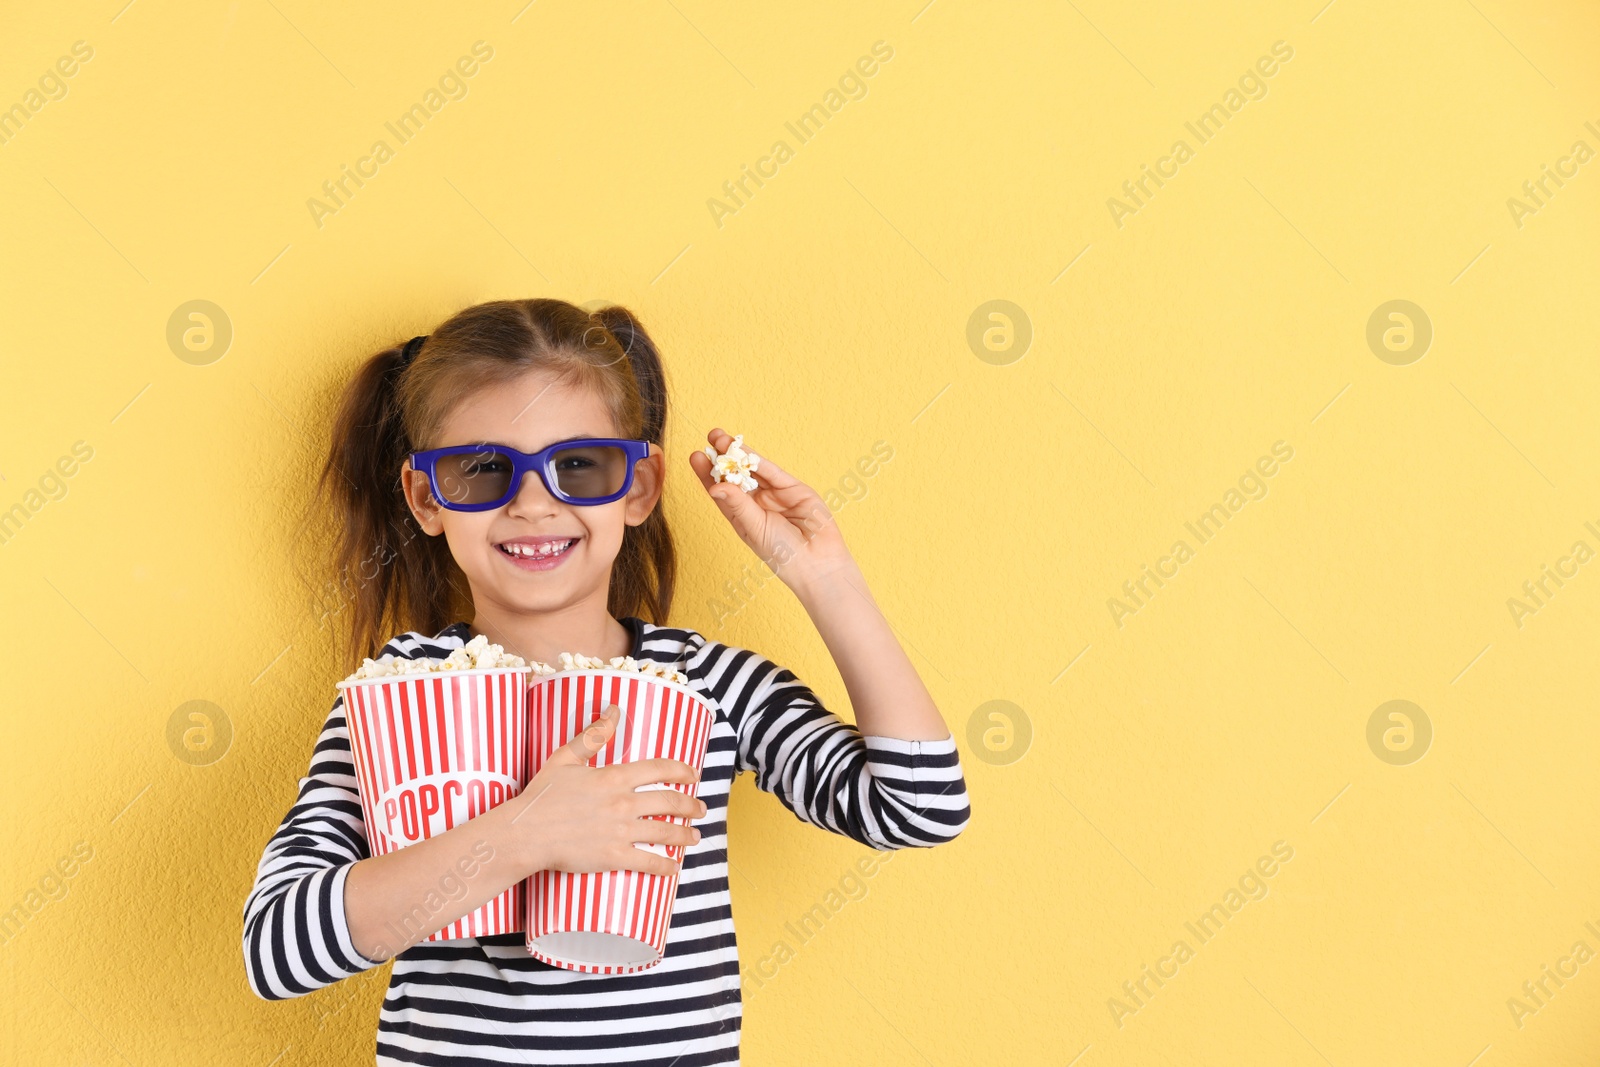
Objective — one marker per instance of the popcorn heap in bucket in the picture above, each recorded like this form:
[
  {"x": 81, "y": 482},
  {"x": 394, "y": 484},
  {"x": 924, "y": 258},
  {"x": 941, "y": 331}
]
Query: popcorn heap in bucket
[
  {"x": 479, "y": 654},
  {"x": 476, "y": 654},
  {"x": 573, "y": 661}
]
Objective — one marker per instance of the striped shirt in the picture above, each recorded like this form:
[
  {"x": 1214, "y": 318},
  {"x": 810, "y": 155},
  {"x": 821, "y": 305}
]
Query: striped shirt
[{"x": 485, "y": 1000}]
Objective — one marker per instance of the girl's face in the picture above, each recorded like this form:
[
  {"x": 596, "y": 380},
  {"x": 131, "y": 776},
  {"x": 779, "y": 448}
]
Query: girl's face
[{"x": 527, "y": 414}]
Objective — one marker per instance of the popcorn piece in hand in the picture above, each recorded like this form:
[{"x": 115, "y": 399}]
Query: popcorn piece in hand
[{"x": 734, "y": 465}]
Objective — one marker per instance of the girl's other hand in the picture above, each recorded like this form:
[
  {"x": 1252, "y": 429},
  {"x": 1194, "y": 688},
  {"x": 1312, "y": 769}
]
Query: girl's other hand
[
  {"x": 784, "y": 521},
  {"x": 574, "y": 817}
]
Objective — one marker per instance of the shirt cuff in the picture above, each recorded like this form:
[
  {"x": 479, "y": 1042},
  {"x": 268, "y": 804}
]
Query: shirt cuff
[
  {"x": 918, "y": 761},
  {"x": 903, "y": 747}
]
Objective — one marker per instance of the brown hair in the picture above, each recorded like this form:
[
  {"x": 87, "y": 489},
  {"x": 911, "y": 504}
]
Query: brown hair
[{"x": 402, "y": 581}]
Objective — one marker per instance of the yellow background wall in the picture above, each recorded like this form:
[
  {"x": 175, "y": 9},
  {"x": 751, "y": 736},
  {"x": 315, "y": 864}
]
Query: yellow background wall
[{"x": 1150, "y": 758}]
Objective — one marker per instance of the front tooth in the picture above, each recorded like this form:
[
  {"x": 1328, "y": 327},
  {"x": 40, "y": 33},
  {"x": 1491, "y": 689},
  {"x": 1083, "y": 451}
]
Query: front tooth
[{"x": 544, "y": 548}]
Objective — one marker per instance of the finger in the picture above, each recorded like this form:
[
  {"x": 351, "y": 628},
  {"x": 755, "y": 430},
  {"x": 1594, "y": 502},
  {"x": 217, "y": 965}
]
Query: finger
[
  {"x": 581, "y": 749},
  {"x": 700, "y": 463},
  {"x": 659, "y": 832},
  {"x": 743, "y": 514},
  {"x": 769, "y": 474},
  {"x": 667, "y": 802},
  {"x": 811, "y": 515},
  {"x": 648, "y": 771},
  {"x": 628, "y": 858}
]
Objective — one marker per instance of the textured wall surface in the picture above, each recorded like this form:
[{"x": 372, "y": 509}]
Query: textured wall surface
[{"x": 1195, "y": 503}]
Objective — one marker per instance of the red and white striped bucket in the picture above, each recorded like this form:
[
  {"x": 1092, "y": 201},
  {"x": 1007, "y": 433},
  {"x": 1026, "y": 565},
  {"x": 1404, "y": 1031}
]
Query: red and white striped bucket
[
  {"x": 434, "y": 750},
  {"x": 611, "y": 922}
]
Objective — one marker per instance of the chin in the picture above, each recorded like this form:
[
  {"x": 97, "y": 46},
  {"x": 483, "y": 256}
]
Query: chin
[{"x": 541, "y": 594}]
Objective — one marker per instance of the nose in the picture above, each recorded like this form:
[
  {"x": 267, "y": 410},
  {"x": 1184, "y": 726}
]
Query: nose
[{"x": 532, "y": 500}]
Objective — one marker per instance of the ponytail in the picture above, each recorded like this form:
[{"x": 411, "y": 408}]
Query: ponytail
[{"x": 390, "y": 571}]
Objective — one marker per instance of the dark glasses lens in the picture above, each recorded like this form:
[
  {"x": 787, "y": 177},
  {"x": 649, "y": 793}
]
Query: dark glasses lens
[
  {"x": 590, "y": 471},
  {"x": 473, "y": 476}
]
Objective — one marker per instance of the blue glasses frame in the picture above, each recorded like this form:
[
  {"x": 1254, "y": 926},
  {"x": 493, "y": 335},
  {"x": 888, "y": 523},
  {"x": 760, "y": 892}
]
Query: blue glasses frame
[{"x": 541, "y": 462}]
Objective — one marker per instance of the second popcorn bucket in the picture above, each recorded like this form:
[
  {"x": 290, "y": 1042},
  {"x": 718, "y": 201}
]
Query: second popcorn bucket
[
  {"x": 432, "y": 750},
  {"x": 611, "y": 922}
]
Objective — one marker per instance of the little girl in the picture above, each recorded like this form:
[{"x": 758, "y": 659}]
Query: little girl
[{"x": 575, "y": 556}]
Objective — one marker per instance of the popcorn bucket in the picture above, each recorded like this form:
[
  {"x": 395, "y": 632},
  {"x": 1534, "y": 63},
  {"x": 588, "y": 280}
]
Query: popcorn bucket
[
  {"x": 611, "y": 922},
  {"x": 432, "y": 751}
]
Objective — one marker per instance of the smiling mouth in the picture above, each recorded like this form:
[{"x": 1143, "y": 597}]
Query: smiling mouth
[{"x": 548, "y": 549}]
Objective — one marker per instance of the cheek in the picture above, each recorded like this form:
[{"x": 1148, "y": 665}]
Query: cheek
[
  {"x": 604, "y": 527},
  {"x": 468, "y": 537}
]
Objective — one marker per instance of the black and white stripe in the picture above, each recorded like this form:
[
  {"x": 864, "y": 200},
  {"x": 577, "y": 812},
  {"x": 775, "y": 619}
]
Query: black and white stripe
[{"x": 485, "y": 1000}]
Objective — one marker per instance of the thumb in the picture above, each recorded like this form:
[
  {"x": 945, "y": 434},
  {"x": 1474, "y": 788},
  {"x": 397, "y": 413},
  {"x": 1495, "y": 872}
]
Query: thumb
[
  {"x": 741, "y": 512},
  {"x": 582, "y": 748}
]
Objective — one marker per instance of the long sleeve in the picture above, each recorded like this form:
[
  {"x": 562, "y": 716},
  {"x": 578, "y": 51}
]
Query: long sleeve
[
  {"x": 884, "y": 792},
  {"x": 295, "y": 935}
]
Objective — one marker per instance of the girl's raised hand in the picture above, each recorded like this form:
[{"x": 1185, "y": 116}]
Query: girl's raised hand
[{"x": 784, "y": 521}]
